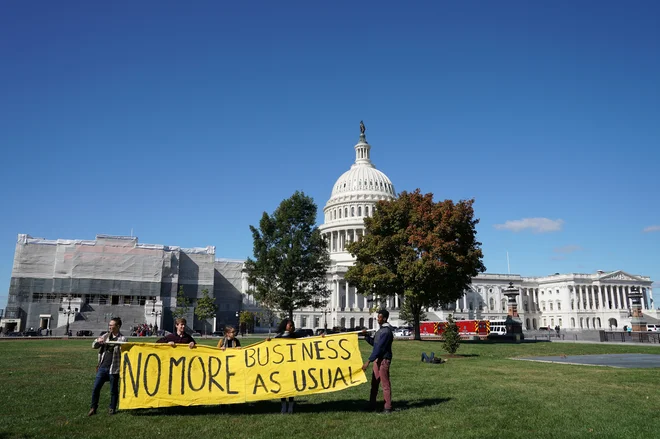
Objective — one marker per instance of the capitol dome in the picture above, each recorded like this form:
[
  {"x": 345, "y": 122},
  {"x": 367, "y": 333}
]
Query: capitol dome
[{"x": 354, "y": 197}]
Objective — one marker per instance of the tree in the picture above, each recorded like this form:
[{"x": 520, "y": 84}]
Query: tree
[
  {"x": 452, "y": 340},
  {"x": 291, "y": 257},
  {"x": 406, "y": 314},
  {"x": 246, "y": 318},
  {"x": 206, "y": 308},
  {"x": 182, "y": 304},
  {"x": 424, "y": 251}
]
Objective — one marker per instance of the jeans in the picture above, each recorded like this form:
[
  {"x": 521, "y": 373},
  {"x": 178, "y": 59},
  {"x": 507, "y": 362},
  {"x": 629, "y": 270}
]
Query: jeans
[
  {"x": 102, "y": 376},
  {"x": 381, "y": 375},
  {"x": 427, "y": 359}
]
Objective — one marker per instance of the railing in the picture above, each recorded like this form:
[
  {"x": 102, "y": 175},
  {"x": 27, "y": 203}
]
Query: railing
[{"x": 630, "y": 337}]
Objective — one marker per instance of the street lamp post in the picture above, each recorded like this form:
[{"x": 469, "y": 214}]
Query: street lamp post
[{"x": 325, "y": 319}]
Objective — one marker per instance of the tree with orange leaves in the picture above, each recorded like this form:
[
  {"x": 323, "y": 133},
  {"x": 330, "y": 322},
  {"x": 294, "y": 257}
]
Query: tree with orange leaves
[{"x": 425, "y": 251}]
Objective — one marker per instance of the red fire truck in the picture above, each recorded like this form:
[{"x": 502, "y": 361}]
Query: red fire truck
[{"x": 465, "y": 327}]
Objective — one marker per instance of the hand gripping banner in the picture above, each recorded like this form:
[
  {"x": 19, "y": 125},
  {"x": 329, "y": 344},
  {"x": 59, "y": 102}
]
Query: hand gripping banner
[{"x": 160, "y": 375}]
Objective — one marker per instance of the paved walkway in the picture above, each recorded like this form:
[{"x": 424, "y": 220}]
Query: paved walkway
[{"x": 635, "y": 361}]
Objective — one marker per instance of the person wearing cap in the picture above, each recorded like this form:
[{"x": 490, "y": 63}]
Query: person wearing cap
[
  {"x": 381, "y": 356},
  {"x": 107, "y": 368}
]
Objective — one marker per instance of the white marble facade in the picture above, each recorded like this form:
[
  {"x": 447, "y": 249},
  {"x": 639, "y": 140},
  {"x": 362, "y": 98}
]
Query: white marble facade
[{"x": 571, "y": 301}]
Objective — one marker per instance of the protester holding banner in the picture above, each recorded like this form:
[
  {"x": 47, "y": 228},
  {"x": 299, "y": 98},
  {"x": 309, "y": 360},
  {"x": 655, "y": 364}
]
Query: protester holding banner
[
  {"x": 287, "y": 329},
  {"x": 381, "y": 356},
  {"x": 180, "y": 337},
  {"x": 229, "y": 340},
  {"x": 107, "y": 368}
]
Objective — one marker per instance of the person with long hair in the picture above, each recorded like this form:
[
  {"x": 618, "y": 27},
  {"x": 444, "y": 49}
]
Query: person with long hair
[
  {"x": 229, "y": 340},
  {"x": 286, "y": 329}
]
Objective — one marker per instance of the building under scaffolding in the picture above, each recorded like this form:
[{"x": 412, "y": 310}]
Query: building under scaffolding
[{"x": 82, "y": 284}]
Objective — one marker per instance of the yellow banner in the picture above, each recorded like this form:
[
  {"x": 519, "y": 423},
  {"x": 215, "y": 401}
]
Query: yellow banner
[{"x": 159, "y": 375}]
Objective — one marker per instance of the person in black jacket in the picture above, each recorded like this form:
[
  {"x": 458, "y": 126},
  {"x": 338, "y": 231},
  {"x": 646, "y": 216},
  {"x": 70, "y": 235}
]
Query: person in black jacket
[
  {"x": 287, "y": 329},
  {"x": 381, "y": 356}
]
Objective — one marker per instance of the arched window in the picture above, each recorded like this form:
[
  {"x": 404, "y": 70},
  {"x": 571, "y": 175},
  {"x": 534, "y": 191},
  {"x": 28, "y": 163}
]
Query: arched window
[
  {"x": 542, "y": 306},
  {"x": 550, "y": 303},
  {"x": 491, "y": 303},
  {"x": 360, "y": 214},
  {"x": 503, "y": 304},
  {"x": 572, "y": 322},
  {"x": 527, "y": 324},
  {"x": 345, "y": 212},
  {"x": 366, "y": 210},
  {"x": 558, "y": 305},
  {"x": 572, "y": 303},
  {"x": 534, "y": 323},
  {"x": 352, "y": 210}
]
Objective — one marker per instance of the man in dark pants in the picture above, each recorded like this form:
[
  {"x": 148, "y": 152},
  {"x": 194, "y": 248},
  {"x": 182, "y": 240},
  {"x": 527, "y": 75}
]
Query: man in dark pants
[
  {"x": 381, "y": 356},
  {"x": 108, "y": 365}
]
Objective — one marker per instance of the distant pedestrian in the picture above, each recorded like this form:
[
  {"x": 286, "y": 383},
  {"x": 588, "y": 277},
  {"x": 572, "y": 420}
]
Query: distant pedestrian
[{"x": 108, "y": 365}]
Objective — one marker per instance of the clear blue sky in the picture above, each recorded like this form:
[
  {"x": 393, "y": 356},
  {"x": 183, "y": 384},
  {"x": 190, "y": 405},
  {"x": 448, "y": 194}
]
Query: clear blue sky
[{"x": 185, "y": 121}]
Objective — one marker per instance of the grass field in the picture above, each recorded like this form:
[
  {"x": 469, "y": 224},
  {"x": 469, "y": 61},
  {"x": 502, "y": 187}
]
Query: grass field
[{"x": 46, "y": 386}]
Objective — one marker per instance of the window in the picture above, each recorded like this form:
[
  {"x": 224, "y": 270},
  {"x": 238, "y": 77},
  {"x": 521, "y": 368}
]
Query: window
[
  {"x": 558, "y": 306},
  {"x": 359, "y": 210},
  {"x": 303, "y": 321},
  {"x": 572, "y": 304},
  {"x": 550, "y": 306},
  {"x": 352, "y": 211},
  {"x": 366, "y": 210},
  {"x": 543, "y": 306}
]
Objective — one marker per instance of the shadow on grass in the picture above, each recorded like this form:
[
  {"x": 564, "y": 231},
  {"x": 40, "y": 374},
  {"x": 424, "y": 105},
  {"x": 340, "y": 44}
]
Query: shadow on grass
[{"x": 273, "y": 407}]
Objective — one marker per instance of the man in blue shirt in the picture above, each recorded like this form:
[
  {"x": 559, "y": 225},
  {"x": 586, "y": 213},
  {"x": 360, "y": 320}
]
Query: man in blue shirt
[{"x": 381, "y": 356}]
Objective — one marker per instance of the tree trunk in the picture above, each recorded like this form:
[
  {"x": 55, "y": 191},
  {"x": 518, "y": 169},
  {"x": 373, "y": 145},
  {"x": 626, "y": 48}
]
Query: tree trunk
[{"x": 416, "y": 313}]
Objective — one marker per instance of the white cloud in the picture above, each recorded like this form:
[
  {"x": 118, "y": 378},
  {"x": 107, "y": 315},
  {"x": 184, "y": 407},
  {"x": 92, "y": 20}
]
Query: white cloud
[
  {"x": 536, "y": 225},
  {"x": 651, "y": 229},
  {"x": 568, "y": 249}
]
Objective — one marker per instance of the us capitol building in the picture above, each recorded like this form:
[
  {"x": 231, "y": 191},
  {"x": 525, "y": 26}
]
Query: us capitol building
[{"x": 81, "y": 284}]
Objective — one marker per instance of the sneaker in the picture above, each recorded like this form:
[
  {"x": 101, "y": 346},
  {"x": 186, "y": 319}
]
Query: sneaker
[
  {"x": 112, "y": 411},
  {"x": 91, "y": 412}
]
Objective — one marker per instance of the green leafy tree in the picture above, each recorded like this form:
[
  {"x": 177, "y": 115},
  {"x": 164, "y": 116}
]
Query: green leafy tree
[
  {"x": 246, "y": 318},
  {"x": 206, "y": 308},
  {"x": 406, "y": 314},
  {"x": 291, "y": 257},
  {"x": 452, "y": 340},
  {"x": 182, "y": 304},
  {"x": 425, "y": 251}
]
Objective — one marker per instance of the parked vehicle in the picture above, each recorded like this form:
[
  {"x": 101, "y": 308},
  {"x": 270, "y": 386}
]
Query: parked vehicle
[
  {"x": 653, "y": 328},
  {"x": 196, "y": 334},
  {"x": 84, "y": 333},
  {"x": 218, "y": 334},
  {"x": 402, "y": 333}
]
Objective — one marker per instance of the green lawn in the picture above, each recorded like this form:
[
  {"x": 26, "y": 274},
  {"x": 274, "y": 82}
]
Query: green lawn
[{"x": 46, "y": 385}]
